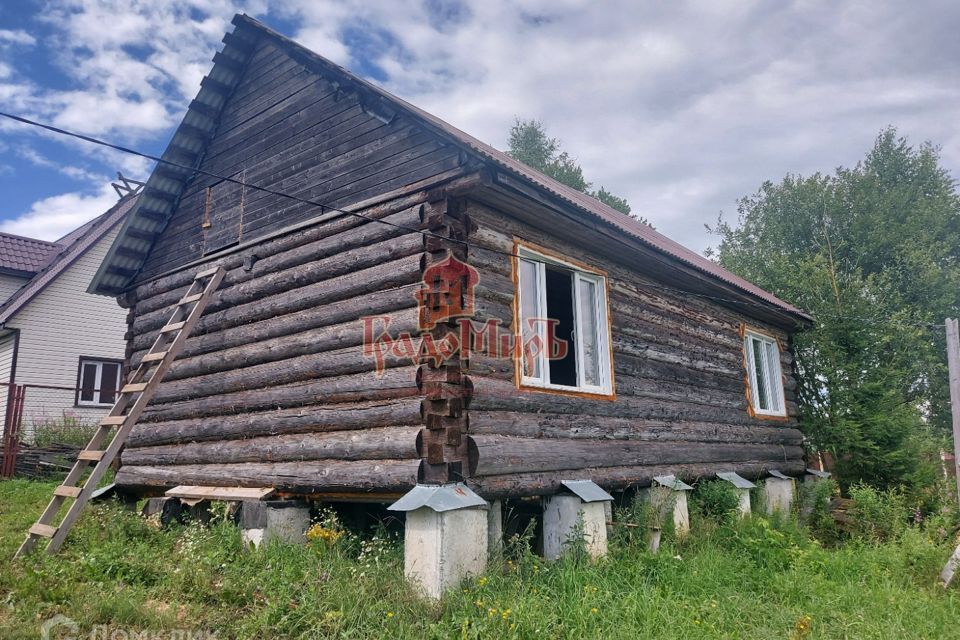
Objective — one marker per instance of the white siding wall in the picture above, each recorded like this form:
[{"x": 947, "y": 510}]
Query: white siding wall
[
  {"x": 61, "y": 324},
  {"x": 6, "y": 365},
  {"x": 8, "y": 285}
]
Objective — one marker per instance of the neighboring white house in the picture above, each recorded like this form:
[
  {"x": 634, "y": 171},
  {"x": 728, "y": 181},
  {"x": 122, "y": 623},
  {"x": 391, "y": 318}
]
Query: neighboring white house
[{"x": 55, "y": 334}]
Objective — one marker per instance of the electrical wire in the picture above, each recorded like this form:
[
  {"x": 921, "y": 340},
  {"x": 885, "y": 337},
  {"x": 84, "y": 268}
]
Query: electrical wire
[{"x": 465, "y": 243}]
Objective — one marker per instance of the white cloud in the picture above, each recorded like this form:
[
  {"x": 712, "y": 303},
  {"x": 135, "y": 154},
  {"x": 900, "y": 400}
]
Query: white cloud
[
  {"x": 54, "y": 217},
  {"x": 18, "y": 36}
]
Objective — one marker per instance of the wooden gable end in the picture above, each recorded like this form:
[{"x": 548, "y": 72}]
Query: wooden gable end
[{"x": 294, "y": 128}]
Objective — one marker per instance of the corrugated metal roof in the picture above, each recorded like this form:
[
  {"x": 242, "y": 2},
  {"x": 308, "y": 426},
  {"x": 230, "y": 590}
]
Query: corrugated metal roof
[
  {"x": 29, "y": 255},
  {"x": 672, "y": 482},
  {"x": 587, "y": 490},
  {"x": 736, "y": 480},
  {"x": 779, "y": 474},
  {"x": 440, "y": 498},
  {"x": 818, "y": 473}
]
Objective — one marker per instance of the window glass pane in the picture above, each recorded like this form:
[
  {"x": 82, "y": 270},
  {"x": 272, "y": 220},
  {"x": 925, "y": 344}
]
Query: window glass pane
[
  {"x": 762, "y": 397},
  {"x": 109, "y": 376},
  {"x": 529, "y": 296},
  {"x": 88, "y": 380},
  {"x": 774, "y": 375},
  {"x": 587, "y": 332}
]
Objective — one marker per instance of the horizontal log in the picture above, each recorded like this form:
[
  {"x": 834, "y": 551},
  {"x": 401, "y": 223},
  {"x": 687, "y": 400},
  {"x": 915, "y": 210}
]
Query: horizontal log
[
  {"x": 385, "y": 443},
  {"x": 311, "y": 477},
  {"x": 297, "y": 277},
  {"x": 620, "y": 478},
  {"x": 393, "y": 384},
  {"x": 497, "y": 455},
  {"x": 339, "y": 336},
  {"x": 150, "y": 295},
  {"x": 590, "y": 427},
  {"x": 380, "y": 289},
  {"x": 305, "y": 419},
  {"x": 490, "y": 394}
]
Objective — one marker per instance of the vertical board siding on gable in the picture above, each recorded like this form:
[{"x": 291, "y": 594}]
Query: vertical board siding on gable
[
  {"x": 58, "y": 326},
  {"x": 290, "y": 130},
  {"x": 680, "y": 390}
]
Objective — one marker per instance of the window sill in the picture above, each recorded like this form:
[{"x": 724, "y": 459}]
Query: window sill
[{"x": 575, "y": 392}]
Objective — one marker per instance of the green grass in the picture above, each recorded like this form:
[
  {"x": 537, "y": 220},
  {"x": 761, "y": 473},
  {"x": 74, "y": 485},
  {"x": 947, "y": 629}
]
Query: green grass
[{"x": 751, "y": 580}]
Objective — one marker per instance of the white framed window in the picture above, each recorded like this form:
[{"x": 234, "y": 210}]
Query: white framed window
[
  {"x": 564, "y": 333},
  {"x": 765, "y": 375},
  {"x": 98, "y": 382}
]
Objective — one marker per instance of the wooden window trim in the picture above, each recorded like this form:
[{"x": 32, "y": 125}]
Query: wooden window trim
[
  {"x": 76, "y": 391},
  {"x": 519, "y": 246},
  {"x": 747, "y": 330}
]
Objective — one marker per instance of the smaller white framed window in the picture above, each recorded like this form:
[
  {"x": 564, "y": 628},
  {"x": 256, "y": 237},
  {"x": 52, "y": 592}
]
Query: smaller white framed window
[
  {"x": 764, "y": 373},
  {"x": 564, "y": 332},
  {"x": 98, "y": 382}
]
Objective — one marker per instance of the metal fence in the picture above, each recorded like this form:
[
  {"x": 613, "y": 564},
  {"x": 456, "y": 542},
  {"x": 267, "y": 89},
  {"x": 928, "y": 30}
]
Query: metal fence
[{"x": 44, "y": 414}]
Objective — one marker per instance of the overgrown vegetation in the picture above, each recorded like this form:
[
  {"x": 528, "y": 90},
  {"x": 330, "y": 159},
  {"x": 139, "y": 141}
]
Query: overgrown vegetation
[
  {"x": 753, "y": 579},
  {"x": 68, "y": 429},
  {"x": 873, "y": 252}
]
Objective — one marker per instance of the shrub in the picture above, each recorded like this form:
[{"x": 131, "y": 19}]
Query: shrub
[
  {"x": 815, "y": 509},
  {"x": 68, "y": 429},
  {"x": 878, "y": 515},
  {"x": 716, "y": 499}
]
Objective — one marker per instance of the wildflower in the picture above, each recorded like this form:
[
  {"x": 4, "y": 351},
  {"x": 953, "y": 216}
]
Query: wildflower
[
  {"x": 482, "y": 581},
  {"x": 677, "y": 557},
  {"x": 594, "y": 610},
  {"x": 389, "y": 614}
]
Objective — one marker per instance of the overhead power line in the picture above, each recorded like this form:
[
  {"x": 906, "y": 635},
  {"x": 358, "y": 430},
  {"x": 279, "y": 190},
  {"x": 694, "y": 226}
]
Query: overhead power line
[{"x": 326, "y": 207}]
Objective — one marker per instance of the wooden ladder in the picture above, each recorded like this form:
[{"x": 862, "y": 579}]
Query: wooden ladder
[{"x": 123, "y": 415}]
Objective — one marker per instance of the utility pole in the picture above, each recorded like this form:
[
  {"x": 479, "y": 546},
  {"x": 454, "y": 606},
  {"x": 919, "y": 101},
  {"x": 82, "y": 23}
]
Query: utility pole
[{"x": 953, "y": 363}]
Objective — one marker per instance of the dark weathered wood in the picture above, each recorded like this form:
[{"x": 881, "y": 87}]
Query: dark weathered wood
[
  {"x": 305, "y": 418},
  {"x": 498, "y": 455},
  {"x": 381, "y": 476},
  {"x": 617, "y": 478},
  {"x": 383, "y": 443}
]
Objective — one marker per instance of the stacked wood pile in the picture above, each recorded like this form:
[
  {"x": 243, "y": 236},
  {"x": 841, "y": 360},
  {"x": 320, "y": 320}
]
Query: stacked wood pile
[{"x": 43, "y": 462}]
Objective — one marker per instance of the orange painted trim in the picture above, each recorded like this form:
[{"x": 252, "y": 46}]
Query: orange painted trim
[
  {"x": 743, "y": 330},
  {"x": 518, "y": 332}
]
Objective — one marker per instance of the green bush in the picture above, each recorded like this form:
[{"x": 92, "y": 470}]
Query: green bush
[
  {"x": 68, "y": 430},
  {"x": 715, "y": 499},
  {"x": 815, "y": 509},
  {"x": 877, "y": 515}
]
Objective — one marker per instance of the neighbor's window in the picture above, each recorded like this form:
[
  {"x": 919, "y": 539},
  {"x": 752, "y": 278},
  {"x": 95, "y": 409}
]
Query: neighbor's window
[
  {"x": 99, "y": 381},
  {"x": 563, "y": 320},
  {"x": 766, "y": 378}
]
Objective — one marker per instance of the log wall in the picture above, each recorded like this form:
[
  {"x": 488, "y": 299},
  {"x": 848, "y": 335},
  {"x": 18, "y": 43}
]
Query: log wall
[{"x": 679, "y": 375}]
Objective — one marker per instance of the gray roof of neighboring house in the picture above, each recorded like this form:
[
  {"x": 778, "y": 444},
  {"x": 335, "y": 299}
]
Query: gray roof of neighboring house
[
  {"x": 164, "y": 187},
  {"x": 68, "y": 249}
]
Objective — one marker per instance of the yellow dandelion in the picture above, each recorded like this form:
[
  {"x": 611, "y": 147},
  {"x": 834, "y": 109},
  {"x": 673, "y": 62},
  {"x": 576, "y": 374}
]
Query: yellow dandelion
[
  {"x": 594, "y": 610},
  {"x": 389, "y": 614}
]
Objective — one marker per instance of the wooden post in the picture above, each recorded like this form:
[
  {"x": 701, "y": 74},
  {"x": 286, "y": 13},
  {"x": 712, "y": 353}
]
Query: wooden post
[{"x": 953, "y": 363}]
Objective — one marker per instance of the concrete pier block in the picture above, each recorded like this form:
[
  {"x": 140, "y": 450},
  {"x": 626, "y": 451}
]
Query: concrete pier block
[
  {"x": 667, "y": 497},
  {"x": 742, "y": 487},
  {"x": 445, "y": 537},
  {"x": 281, "y": 520},
  {"x": 778, "y": 492},
  {"x": 495, "y": 529},
  {"x": 580, "y": 509}
]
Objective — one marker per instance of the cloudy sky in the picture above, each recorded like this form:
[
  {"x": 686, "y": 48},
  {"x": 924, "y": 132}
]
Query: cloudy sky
[{"x": 681, "y": 107}]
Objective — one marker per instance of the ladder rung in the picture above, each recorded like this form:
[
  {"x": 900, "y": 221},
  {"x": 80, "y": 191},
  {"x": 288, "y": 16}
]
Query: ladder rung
[
  {"x": 112, "y": 421},
  {"x": 192, "y": 298},
  {"x": 153, "y": 357},
  {"x": 67, "y": 492},
  {"x": 206, "y": 273},
  {"x": 176, "y": 326},
  {"x": 91, "y": 455},
  {"x": 134, "y": 387},
  {"x": 44, "y": 530}
]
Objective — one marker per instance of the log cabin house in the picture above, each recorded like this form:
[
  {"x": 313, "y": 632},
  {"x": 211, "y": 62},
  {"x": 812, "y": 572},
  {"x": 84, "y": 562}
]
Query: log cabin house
[{"x": 359, "y": 231}]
